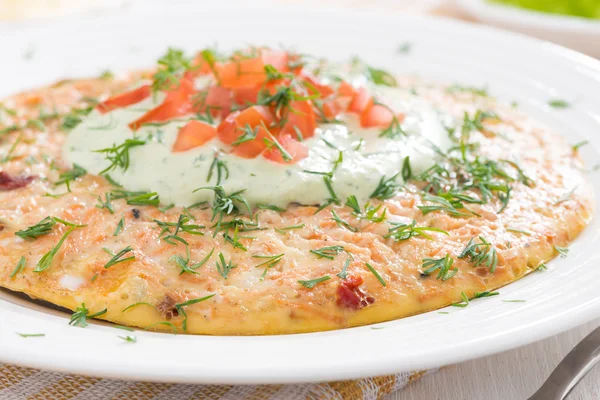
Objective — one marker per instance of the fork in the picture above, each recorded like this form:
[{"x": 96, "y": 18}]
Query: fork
[{"x": 571, "y": 369}]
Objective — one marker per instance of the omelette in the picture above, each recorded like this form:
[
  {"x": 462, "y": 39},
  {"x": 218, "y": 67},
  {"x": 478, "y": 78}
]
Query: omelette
[{"x": 265, "y": 191}]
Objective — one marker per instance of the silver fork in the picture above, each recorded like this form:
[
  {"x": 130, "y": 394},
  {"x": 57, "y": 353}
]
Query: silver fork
[{"x": 571, "y": 369}]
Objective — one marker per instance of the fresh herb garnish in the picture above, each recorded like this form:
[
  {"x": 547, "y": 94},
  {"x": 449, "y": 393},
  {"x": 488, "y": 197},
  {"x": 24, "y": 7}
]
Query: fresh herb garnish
[
  {"x": 386, "y": 188},
  {"x": 19, "y": 268},
  {"x": 68, "y": 176},
  {"x": 342, "y": 223},
  {"x": 222, "y": 170},
  {"x": 557, "y": 103},
  {"x": 106, "y": 203},
  {"x": 563, "y": 251},
  {"x": 119, "y": 155},
  {"x": 374, "y": 272},
  {"x": 171, "y": 67},
  {"x": 328, "y": 252},
  {"x": 577, "y": 146},
  {"x": 482, "y": 253},
  {"x": 81, "y": 315},
  {"x": 224, "y": 267},
  {"x": 46, "y": 260},
  {"x": 129, "y": 339},
  {"x": 270, "y": 263},
  {"x": 344, "y": 272},
  {"x": 442, "y": 265},
  {"x": 184, "y": 263},
  {"x": 120, "y": 226},
  {"x": 43, "y": 227},
  {"x": 309, "y": 284},
  {"x": 381, "y": 77},
  {"x": 451, "y": 206},
  {"x": 26, "y": 335},
  {"x": 401, "y": 231},
  {"x": 117, "y": 258},
  {"x": 171, "y": 230},
  {"x": 180, "y": 308}
]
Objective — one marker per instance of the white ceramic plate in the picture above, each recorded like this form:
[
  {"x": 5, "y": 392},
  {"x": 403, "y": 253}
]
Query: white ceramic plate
[
  {"x": 581, "y": 34},
  {"x": 514, "y": 68}
]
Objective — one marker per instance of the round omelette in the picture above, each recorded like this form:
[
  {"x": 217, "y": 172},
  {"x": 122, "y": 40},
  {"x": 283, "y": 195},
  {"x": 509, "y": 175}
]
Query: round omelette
[{"x": 268, "y": 192}]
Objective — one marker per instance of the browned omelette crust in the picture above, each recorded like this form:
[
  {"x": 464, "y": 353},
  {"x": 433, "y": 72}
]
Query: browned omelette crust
[{"x": 244, "y": 304}]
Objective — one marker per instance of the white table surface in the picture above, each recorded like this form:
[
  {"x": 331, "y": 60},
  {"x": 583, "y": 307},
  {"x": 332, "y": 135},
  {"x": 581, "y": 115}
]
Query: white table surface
[{"x": 512, "y": 375}]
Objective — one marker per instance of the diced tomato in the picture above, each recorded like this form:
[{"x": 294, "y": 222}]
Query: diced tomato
[
  {"x": 246, "y": 96},
  {"x": 376, "y": 115},
  {"x": 124, "y": 99},
  {"x": 241, "y": 73},
  {"x": 315, "y": 87},
  {"x": 351, "y": 295},
  {"x": 345, "y": 90},
  {"x": 200, "y": 67},
  {"x": 164, "y": 112},
  {"x": 331, "y": 109},
  {"x": 301, "y": 117},
  {"x": 277, "y": 58},
  {"x": 360, "y": 101},
  {"x": 182, "y": 92},
  {"x": 193, "y": 134},
  {"x": 294, "y": 148},
  {"x": 235, "y": 125},
  {"x": 217, "y": 99}
]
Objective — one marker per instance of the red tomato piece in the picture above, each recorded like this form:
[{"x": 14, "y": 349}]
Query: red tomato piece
[
  {"x": 315, "y": 87},
  {"x": 217, "y": 99},
  {"x": 235, "y": 125},
  {"x": 277, "y": 58},
  {"x": 164, "y": 112},
  {"x": 331, "y": 109},
  {"x": 294, "y": 148},
  {"x": 246, "y": 96},
  {"x": 124, "y": 99},
  {"x": 301, "y": 117},
  {"x": 345, "y": 90},
  {"x": 376, "y": 115},
  {"x": 351, "y": 295},
  {"x": 360, "y": 101},
  {"x": 182, "y": 92},
  {"x": 241, "y": 73},
  {"x": 193, "y": 134}
]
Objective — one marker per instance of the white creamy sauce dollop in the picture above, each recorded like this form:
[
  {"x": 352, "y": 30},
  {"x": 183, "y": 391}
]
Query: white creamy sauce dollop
[{"x": 175, "y": 176}]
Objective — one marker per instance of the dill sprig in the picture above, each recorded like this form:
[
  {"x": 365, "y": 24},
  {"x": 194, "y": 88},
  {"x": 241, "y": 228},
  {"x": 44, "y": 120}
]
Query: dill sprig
[
  {"x": 225, "y": 204},
  {"x": 171, "y": 67},
  {"x": 328, "y": 252},
  {"x": 341, "y": 222},
  {"x": 171, "y": 230},
  {"x": 44, "y": 227},
  {"x": 184, "y": 262},
  {"x": 452, "y": 206},
  {"x": 311, "y": 283},
  {"x": 117, "y": 258},
  {"x": 401, "y": 231},
  {"x": 442, "y": 265},
  {"x": 222, "y": 171},
  {"x": 270, "y": 263},
  {"x": 66, "y": 177},
  {"x": 482, "y": 253},
  {"x": 370, "y": 212},
  {"x": 180, "y": 308},
  {"x": 119, "y": 155},
  {"x": 224, "y": 267},
  {"x": 82, "y": 314},
  {"x": 386, "y": 188}
]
